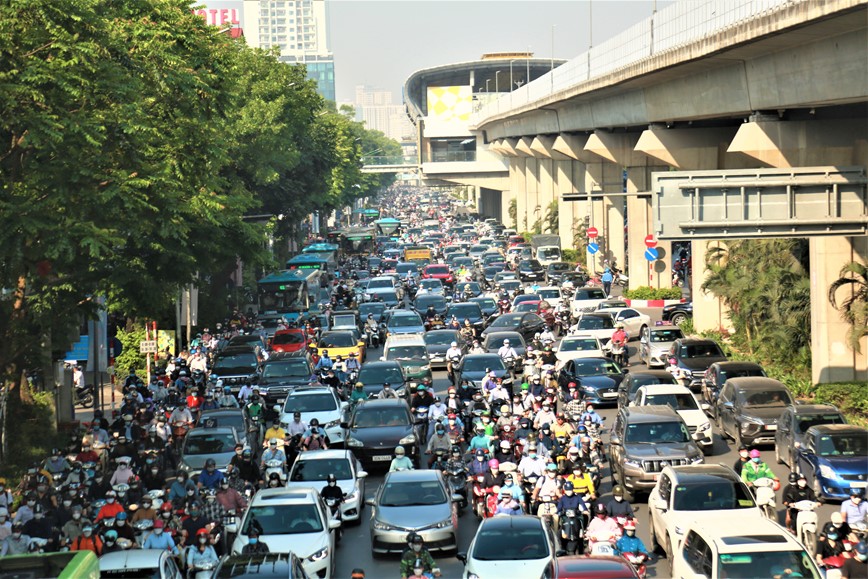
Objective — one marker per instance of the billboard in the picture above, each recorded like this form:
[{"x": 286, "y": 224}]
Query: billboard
[
  {"x": 222, "y": 13},
  {"x": 450, "y": 103}
]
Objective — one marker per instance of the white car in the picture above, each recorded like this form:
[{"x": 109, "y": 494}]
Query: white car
[
  {"x": 311, "y": 469},
  {"x": 431, "y": 286},
  {"x": 578, "y": 346},
  {"x": 148, "y": 562},
  {"x": 656, "y": 342},
  {"x": 596, "y": 324},
  {"x": 635, "y": 322},
  {"x": 586, "y": 299},
  {"x": 684, "y": 402},
  {"x": 320, "y": 402},
  {"x": 511, "y": 546},
  {"x": 293, "y": 520},
  {"x": 550, "y": 294}
]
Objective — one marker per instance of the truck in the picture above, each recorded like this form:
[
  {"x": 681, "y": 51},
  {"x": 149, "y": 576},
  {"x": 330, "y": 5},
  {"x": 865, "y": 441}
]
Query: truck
[
  {"x": 546, "y": 248},
  {"x": 417, "y": 253}
]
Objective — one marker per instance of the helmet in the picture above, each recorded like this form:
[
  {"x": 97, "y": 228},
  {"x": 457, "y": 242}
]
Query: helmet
[
  {"x": 854, "y": 492},
  {"x": 754, "y": 453},
  {"x": 793, "y": 477},
  {"x": 399, "y": 450},
  {"x": 862, "y": 548},
  {"x": 121, "y": 516},
  {"x": 831, "y": 531},
  {"x": 600, "y": 509},
  {"x": 493, "y": 463},
  {"x": 210, "y": 462},
  {"x": 618, "y": 490},
  {"x": 551, "y": 467},
  {"x": 568, "y": 486},
  {"x": 166, "y": 507},
  {"x": 314, "y": 422},
  {"x": 331, "y": 478},
  {"x": 415, "y": 538},
  {"x": 111, "y": 535},
  {"x": 201, "y": 532},
  {"x": 456, "y": 449},
  {"x": 630, "y": 525}
]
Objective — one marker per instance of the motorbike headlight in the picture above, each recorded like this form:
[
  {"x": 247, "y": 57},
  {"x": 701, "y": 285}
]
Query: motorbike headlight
[
  {"x": 319, "y": 555},
  {"x": 380, "y": 526},
  {"x": 409, "y": 439},
  {"x": 355, "y": 443},
  {"x": 473, "y": 576},
  {"x": 827, "y": 472}
]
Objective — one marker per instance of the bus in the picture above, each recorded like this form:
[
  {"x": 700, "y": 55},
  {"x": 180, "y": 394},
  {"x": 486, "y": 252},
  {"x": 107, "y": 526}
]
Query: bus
[
  {"x": 66, "y": 565},
  {"x": 358, "y": 241},
  {"x": 388, "y": 226},
  {"x": 327, "y": 250},
  {"x": 289, "y": 293},
  {"x": 313, "y": 261}
]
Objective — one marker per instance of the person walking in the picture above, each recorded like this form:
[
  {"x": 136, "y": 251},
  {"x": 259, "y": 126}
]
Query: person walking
[{"x": 606, "y": 280}]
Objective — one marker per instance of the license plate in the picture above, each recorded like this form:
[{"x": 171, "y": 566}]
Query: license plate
[
  {"x": 381, "y": 458},
  {"x": 437, "y": 359},
  {"x": 609, "y": 394},
  {"x": 859, "y": 484},
  {"x": 656, "y": 477},
  {"x": 281, "y": 400},
  {"x": 771, "y": 427}
]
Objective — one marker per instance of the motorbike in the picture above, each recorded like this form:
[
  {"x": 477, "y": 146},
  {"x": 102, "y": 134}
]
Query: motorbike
[
  {"x": 765, "y": 497},
  {"x": 480, "y": 498},
  {"x": 806, "y": 524},
  {"x": 453, "y": 362},
  {"x": 528, "y": 483},
  {"x": 201, "y": 570},
  {"x": 458, "y": 485},
  {"x": 572, "y": 531},
  {"x": 618, "y": 352},
  {"x": 275, "y": 466},
  {"x": 334, "y": 506},
  {"x": 83, "y": 396},
  {"x": 637, "y": 560}
]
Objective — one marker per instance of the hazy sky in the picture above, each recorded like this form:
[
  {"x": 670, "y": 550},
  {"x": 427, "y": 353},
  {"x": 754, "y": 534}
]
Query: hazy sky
[{"x": 381, "y": 43}]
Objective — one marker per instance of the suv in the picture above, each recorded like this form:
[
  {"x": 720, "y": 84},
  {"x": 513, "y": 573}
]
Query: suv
[
  {"x": 795, "y": 422},
  {"x": 677, "y": 313},
  {"x": 281, "y": 374},
  {"x": 719, "y": 372},
  {"x": 235, "y": 366},
  {"x": 685, "y": 493},
  {"x": 748, "y": 409},
  {"x": 644, "y": 439},
  {"x": 261, "y": 566},
  {"x": 320, "y": 402},
  {"x": 693, "y": 356},
  {"x": 410, "y": 351},
  {"x": 586, "y": 299},
  {"x": 685, "y": 404},
  {"x": 376, "y": 427}
]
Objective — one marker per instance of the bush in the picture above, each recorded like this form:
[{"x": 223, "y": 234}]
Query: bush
[
  {"x": 650, "y": 293},
  {"x": 33, "y": 435},
  {"x": 570, "y": 255},
  {"x": 850, "y": 397}
]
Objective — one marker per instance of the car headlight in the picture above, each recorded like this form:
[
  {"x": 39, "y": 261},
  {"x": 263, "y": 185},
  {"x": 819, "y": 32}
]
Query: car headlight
[
  {"x": 355, "y": 443},
  {"x": 589, "y": 389},
  {"x": 631, "y": 463},
  {"x": 827, "y": 471},
  {"x": 425, "y": 367},
  {"x": 380, "y": 526},
  {"x": 473, "y": 576},
  {"x": 319, "y": 555},
  {"x": 409, "y": 439},
  {"x": 353, "y": 495},
  {"x": 679, "y": 530},
  {"x": 696, "y": 459},
  {"x": 443, "y": 524},
  {"x": 705, "y": 426},
  {"x": 748, "y": 427},
  {"x": 332, "y": 424}
]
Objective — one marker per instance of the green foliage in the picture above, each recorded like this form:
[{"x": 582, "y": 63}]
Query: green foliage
[
  {"x": 32, "y": 434},
  {"x": 513, "y": 212},
  {"x": 537, "y": 226},
  {"x": 552, "y": 217},
  {"x": 652, "y": 293},
  {"x": 854, "y": 308},
  {"x": 571, "y": 255},
  {"x": 130, "y": 357},
  {"x": 850, "y": 397},
  {"x": 687, "y": 326}
]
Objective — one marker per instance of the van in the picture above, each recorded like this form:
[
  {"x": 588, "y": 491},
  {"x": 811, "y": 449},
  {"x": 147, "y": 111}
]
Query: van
[{"x": 411, "y": 352}]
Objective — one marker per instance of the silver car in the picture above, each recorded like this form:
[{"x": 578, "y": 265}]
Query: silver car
[
  {"x": 655, "y": 343},
  {"x": 414, "y": 501}
]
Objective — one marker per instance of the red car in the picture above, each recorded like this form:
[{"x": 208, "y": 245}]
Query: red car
[
  {"x": 597, "y": 567},
  {"x": 292, "y": 340},
  {"x": 438, "y": 271},
  {"x": 515, "y": 240}
]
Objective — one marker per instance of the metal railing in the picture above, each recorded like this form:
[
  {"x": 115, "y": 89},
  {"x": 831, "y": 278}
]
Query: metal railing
[
  {"x": 675, "y": 26},
  {"x": 453, "y": 156},
  {"x": 387, "y": 160}
]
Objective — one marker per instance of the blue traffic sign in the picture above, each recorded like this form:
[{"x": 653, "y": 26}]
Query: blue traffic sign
[
  {"x": 593, "y": 248},
  {"x": 651, "y": 254}
]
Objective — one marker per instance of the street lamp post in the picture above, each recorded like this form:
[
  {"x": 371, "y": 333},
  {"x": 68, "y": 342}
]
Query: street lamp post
[
  {"x": 487, "y": 80},
  {"x": 511, "y": 84},
  {"x": 496, "y": 84}
]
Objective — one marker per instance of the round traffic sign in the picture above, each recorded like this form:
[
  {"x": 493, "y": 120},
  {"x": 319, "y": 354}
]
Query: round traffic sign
[
  {"x": 650, "y": 240},
  {"x": 592, "y": 232},
  {"x": 593, "y": 248},
  {"x": 651, "y": 254}
]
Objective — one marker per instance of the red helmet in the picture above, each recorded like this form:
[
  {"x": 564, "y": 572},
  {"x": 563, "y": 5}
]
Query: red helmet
[
  {"x": 201, "y": 532},
  {"x": 571, "y": 385},
  {"x": 630, "y": 525},
  {"x": 167, "y": 506}
]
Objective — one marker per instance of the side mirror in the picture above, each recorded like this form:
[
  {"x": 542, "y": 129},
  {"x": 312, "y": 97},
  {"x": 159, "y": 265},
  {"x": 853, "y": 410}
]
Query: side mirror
[
  {"x": 615, "y": 440},
  {"x": 661, "y": 504},
  {"x": 461, "y": 556},
  {"x": 370, "y": 502},
  {"x": 362, "y": 474},
  {"x": 560, "y": 553},
  {"x": 728, "y": 405},
  {"x": 705, "y": 406},
  {"x": 382, "y": 358},
  {"x": 456, "y": 498},
  {"x": 277, "y": 408},
  {"x": 334, "y": 524}
]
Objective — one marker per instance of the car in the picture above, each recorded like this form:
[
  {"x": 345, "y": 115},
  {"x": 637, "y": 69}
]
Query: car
[
  {"x": 269, "y": 323},
  {"x": 634, "y": 321},
  {"x": 684, "y": 402},
  {"x": 612, "y": 303},
  {"x": 414, "y": 501},
  {"x": 492, "y": 342},
  {"x": 466, "y": 311},
  {"x": 200, "y": 444},
  {"x": 463, "y": 261},
  {"x": 585, "y": 299},
  {"x": 527, "y": 306},
  {"x": 677, "y": 313},
  {"x": 834, "y": 458},
  {"x": 522, "y": 298},
  {"x": 720, "y": 372},
  {"x": 556, "y": 270},
  {"x": 341, "y": 343},
  {"x": 410, "y": 352},
  {"x": 281, "y": 374},
  {"x": 377, "y": 309},
  {"x": 311, "y": 469},
  {"x": 439, "y": 271},
  {"x": 643, "y": 441},
  {"x": 513, "y": 546},
  {"x": 490, "y": 271},
  {"x": 597, "y": 377},
  {"x": 656, "y": 342},
  {"x": 693, "y": 356},
  {"x": 235, "y": 367},
  {"x": 345, "y": 321},
  {"x": 375, "y": 427},
  {"x": 596, "y": 324},
  {"x": 261, "y": 566},
  {"x": 384, "y": 282},
  {"x": 320, "y": 402},
  {"x": 577, "y": 346},
  {"x": 155, "y": 563},
  {"x": 474, "y": 366},
  {"x": 374, "y": 374},
  {"x": 635, "y": 379},
  {"x": 512, "y": 286},
  {"x": 405, "y": 269},
  {"x": 594, "y": 567},
  {"x": 748, "y": 409},
  {"x": 487, "y": 304},
  {"x": 389, "y": 297},
  {"x": 577, "y": 278},
  {"x": 531, "y": 270},
  {"x": 403, "y": 322},
  {"x": 550, "y": 294},
  {"x": 290, "y": 340},
  {"x": 731, "y": 548},
  {"x": 292, "y": 520},
  {"x": 505, "y": 275},
  {"x": 527, "y": 324},
  {"x": 437, "y": 342},
  {"x": 426, "y": 300},
  {"x": 468, "y": 287},
  {"x": 795, "y": 421},
  {"x": 231, "y": 417},
  {"x": 703, "y": 491},
  {"x": 476, "y": 251},
  {"x": 253, "y": 342},
  {"x": 434, "y": 286}
]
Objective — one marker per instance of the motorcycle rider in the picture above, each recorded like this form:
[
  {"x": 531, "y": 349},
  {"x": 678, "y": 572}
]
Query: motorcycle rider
[
  {"x": 507, "y": 503},
  {"x": 507, "y": 353},
  {"x": 332, "y": 490},
  {"x": 324, "y": 362},
  {"x": 387, "y": 392},
  {"x": 629, "y": 542},
  {"x": 423, "y": 398},
  {"x": 602, "y": 527},
  {"x": 582, "y": 481},
  {"x": 476, "y": 348},
  {"x": 617, "y": 506},
  {"x": 372, "y": 329},
  {"x": 743, "y": 457},
  {"x": 591, "y": 414},
  {"x": 756, "y": 469},
  {"x": 855, "y": 509},
  {"x": 161, "y": 540},
  {"x": 796, "y": 490},
  {"x": 453, "y": 360},
  {"x": 829, "y": 544},
  {"x": 548, "y": 484},
  {"x": 273, "y": 452},
  {"x": 468, "y": 332},
  {"x": 619, "y": 339},
  {"x": 417, "y": 557},
  {"x": 297, "y": 426},
  {"x": 401, "y": 460}
]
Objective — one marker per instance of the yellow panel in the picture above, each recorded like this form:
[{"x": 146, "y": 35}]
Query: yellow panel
[{"x": 450, "y": 103}]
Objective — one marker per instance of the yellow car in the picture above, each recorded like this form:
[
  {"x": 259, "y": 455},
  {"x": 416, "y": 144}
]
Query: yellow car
[{"x": 340, "y": 343}]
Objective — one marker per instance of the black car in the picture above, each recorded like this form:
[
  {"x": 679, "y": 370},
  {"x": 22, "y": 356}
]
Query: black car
[
  {"x": 531, "y": 270},
  {"x": 694, "y": 356},
  {"x": 234, "y": 366},
  {"x": 635, "y": 379},
  {"x": 218, "y": 417},
  {"x": 494, "y": 341},
  {"x": 466, "y": 311},
  {"x": 437, "y": 342},
  {"x": 423, "y": 301},
  {"x": 577, "y": 278},
  {"x": 597, "y": 378},
  {"x": 487, "y": 304},
  {"x": 374, "y": 374},
  {"x": 253, "y": 342},
  {"x": 282, "y": 373},
  {"x": 474, "y": 367},
  {"x": 489, "y": 271},
  {"x": 677, "y": 313},
  {"x": 375, "y": 308},
  {"x": 376, "y": 427},
  {"x": 795, "y": 422},
  {"x": 527, "y": 324},
  {"x": 556, "y": 270},
  {"x": 719, "y": 372},
  {"x": 748, "y": 409}
]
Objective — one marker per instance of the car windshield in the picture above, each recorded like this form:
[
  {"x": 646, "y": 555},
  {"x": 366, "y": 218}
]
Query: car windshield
[
  {"x": 511, "y": 545},
  {"x": 320, "y": 469},
  {"x": 766, "y": 398},
  {"x": 479, "y": 364},
  {"x": 676, "y": 401},
  {"x": 461, "y": 311},
  {"x": 656, "y": 433},
  {"x": 596, "y": 367},
  {"x": 288, "y": 338},
  {"x": 549, "y": 294},
  {"x": 578, "y": 344},
  {"x": 439, "y": 338},
  {"x": 596, "y": 323},
  {"x": 211, "y": 443},
  {"x": 486, "y": 302},
  {"x": 139, "y": 573},
  {"x": 589, "y": 294},
  {"x": 283, "y": 519},
  {"x": 380, "y": 374},
  {"x": 374, "y": 417},
  {"x": 436, "y": 301},
  {"x": 337, "y": 340},
  {"x": 310, "y": 403},
  {"x": 437, "y": 270},
  {"x": 766, "y": 564},
  {"x": 549, "y": 253},
  {"x": 295, "y": 369},
  {"x": 412, "y": 494},
  {"x": 505, "y": 321},
  {"x": 510, "y": 285},
  {"x": 236, "y": 361},
  {"x": 718, "y": 495},
  {"x": 405, "y": 268},
  {"x": 526, "y": 307},
  {"x": 406, "y": 352},
  {"x": 376, "y": 309},
  {"x": 344, "y": 322},
  {"x": 701, "y": 351},
  {"x": 377, "y": 283},
  {"x": 431, "y": 284},
  {"x": 495, "y": 342},
  {"x": 803, "y": 423},
  {"x": 842, "y": 445},
  {"x": 666, "y": 335},
  {"x": 559, "y": 266}
]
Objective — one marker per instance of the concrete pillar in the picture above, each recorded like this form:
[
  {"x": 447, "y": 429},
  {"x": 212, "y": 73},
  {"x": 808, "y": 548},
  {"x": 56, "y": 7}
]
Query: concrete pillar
[
  {"x": 687, "y": 149},
  {"x": 546, "y": 189},
  {"x": 569, "y": 178},
  {"x": 709, "y": 313},
  {"x": 640, "y": 224},
  {"x": 832, "y": 360},
  {"x": 534, "y": 211},
  {"x": 518, "y": 187},
  {"x": 606, "y": 217}
]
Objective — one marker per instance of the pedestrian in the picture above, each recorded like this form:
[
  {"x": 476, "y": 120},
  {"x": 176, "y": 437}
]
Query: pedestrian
[{"x": 606, "y": 279}]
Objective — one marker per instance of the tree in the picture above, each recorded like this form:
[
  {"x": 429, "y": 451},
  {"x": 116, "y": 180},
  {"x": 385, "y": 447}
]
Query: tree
[{"x": 854, "y": 307}]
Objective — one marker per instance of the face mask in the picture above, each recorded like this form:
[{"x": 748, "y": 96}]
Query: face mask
[
  {"x": 253, "y": 540},
  {"x": 418, "y": 571},
  {"x": 110, "y": 500},
  {"x": 190, "y": 492},
  {"x": 568, "y": 493},
  {"x": 551, "y": 474},
  {"x": 743, "y": 454},
  {"x": 332, "y": 483},
  {"x": 67, "y": 503},
  {"x": 16, "y": 535},
  {"x": 166, "y": 515},
  {"x": 531, "y": 455},
  {"x": 848, "y": 546},
  {"x": 417, "y": 547},
  {"x": 76, "y": 516},
  {"x": 120, "y": 523},
  {"x": 756, "y": 460},
  {"x": 856, "y": 500},
  {"x": 479, "y": 458},
  {"x": 590, "y": 410},
  {"x": 832, "y": 536},
  {"x": 203, "y": 540},
  {"x": 158, "y": 532},
  {"x": 619, "y": 499},
  {"x": 802, "y": 484},
  {"x": 211, "y": 469},
  {"x": 194, "y": 513},
  {"x": 109, "y": 542},
  {"x": 630, "y": 532},
  {"x": 862, "y": 557}
]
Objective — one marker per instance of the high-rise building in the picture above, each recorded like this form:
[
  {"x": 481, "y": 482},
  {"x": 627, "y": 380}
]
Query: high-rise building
[{"x": 375, "y": 108}]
